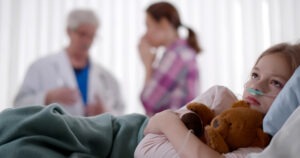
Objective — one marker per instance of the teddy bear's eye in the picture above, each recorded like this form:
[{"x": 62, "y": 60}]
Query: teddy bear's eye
[{"x": 216, "y": 123}]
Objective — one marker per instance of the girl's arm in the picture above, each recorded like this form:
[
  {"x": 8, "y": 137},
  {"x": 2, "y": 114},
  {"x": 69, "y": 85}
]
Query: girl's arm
[{"x": 169, "y": 124}]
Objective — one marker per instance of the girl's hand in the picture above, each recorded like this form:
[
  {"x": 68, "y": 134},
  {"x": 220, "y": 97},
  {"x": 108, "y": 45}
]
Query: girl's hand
[
  {"x": 145, "y": 52},
  {"x": 160, "y": 121}
]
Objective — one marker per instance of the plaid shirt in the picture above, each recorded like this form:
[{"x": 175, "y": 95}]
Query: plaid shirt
[{"x": 174, "y": 81}]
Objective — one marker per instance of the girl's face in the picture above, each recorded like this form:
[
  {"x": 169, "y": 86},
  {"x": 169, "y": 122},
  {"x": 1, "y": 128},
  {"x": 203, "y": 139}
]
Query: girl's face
[
  {"x": 268, "y": 76},
  {"x": 155, "y": 33}
]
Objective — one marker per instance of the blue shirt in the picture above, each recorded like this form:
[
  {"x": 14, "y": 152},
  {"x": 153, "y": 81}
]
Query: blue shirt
[{"x": 82, "y": 77}]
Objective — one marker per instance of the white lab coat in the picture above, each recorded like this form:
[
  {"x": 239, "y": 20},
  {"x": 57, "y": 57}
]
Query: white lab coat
[{"x": 55, "y": 71}]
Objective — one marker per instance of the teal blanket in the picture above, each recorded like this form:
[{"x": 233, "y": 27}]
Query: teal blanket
[{"x": 48, "y": 132}]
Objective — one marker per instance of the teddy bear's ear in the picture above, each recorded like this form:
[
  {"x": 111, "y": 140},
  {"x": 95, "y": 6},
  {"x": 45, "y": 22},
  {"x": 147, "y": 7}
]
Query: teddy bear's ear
[
  {"x": 240, "y": 103},
  {"x": 194, "y": 104},
  {"x": 194, "y": 122},
  {"x": 203, "y": 112}
]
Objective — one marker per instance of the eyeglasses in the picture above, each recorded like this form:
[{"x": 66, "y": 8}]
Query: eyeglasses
[{"x": 83, "y": 34}]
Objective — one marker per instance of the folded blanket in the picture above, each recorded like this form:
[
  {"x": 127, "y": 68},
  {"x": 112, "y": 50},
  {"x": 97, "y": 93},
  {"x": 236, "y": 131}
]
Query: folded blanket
[{"x": 49, "y": 132}]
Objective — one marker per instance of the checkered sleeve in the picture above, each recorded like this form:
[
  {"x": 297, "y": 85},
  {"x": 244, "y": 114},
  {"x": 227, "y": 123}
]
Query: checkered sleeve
[{"x": 157, "y": 91}]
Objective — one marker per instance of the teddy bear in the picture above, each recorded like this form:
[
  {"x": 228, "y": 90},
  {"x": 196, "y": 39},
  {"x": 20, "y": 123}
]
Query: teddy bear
[{"x": 237, "y": 127}]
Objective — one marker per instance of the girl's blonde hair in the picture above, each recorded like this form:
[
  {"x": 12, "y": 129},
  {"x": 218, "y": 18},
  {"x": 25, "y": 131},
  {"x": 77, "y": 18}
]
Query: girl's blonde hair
[{"x": 291, "y": 52}]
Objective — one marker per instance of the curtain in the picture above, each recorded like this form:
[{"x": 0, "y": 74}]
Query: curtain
[{"x": 232, "y": 33}]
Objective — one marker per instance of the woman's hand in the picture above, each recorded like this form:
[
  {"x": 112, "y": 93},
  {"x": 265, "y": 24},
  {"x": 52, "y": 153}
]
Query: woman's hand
[
  {"x": 146, "y": 54},
  {"x": 160, "y": 121}
]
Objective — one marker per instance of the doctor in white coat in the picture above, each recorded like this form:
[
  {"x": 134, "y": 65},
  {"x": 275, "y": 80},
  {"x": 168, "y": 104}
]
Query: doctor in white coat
[{"x": 70, "y": 77}]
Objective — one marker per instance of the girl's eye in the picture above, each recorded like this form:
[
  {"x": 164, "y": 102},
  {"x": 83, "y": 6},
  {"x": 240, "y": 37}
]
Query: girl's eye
[
  {"x": 277, "y": 84},
  {"x": 254, "y": 75}
]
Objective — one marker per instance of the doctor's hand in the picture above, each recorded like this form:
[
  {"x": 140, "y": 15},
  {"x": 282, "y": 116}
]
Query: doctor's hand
[
  {"x": 63, "y": 95},
  {"x": 95, "y": 108}
]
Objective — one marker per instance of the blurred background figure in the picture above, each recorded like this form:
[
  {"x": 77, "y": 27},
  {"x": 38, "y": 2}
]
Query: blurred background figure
[
  {"x": 174, "y": 81},
  {"x": 69, "y": 77}
]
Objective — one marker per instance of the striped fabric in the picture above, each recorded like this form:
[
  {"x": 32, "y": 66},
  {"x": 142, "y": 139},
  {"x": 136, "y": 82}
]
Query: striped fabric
[{"x": 175, "y": 80}]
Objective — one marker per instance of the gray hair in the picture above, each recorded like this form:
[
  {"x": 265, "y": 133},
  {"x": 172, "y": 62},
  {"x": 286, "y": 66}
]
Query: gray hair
[{"x": 81, "y": 16}]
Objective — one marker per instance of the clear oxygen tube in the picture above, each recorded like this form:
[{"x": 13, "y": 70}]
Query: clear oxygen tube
[{"x": 259, "y": 93}]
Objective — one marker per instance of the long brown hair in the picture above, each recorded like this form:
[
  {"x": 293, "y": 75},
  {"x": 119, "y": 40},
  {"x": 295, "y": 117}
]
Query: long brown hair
[
  {"x": 166, "y": 10},
  {"x": 291, "y": 52}
]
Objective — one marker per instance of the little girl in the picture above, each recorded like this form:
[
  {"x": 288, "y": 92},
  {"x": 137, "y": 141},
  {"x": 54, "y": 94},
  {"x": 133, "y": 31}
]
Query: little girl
[
  {"x": 165, "y": 132},
  {"x": 174, "y": 80}
]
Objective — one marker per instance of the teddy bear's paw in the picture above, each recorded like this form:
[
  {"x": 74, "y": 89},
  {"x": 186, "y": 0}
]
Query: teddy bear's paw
[
  {"x": 240, "y": 103},
  {"x": 192, "y": 121},
  {"x": 215, "y": 140},
  {"x": 262, "y": 139}
]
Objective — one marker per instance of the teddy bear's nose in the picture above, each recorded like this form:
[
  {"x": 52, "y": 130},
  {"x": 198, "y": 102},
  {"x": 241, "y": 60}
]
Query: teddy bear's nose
[{"x": 216, "y": 124}]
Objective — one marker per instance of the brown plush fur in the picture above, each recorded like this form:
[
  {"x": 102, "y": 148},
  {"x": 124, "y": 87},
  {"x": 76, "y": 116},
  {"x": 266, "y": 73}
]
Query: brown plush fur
[{"x": 239, "y": 126}]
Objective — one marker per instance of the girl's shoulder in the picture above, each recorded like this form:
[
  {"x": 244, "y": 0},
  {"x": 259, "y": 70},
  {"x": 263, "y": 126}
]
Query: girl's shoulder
[{"x": 218, "y": 98}]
